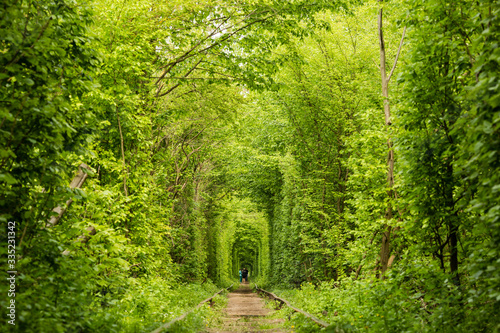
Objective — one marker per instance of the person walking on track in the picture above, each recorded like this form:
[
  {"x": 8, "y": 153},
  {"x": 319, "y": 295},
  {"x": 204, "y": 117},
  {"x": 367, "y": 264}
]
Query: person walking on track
[{"x": 244, "y": 273}]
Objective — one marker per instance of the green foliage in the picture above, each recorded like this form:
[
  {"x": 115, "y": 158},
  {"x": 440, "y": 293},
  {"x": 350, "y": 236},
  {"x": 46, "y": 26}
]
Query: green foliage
[
  {"x": 438, "y": 147},
  {"x": 310, "y": 147},
  {"x": 436, "y": 77},
  {"x": 47, "y": 65},
  {"x": 481, "y": 159},
  {"x": 410, "y": 300},
  {"x": 231, "y": 134}
]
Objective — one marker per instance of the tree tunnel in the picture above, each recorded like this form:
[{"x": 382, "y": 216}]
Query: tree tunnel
[
  {"x": 246, "y": 249},
  {"x": 243, "y": 242}
]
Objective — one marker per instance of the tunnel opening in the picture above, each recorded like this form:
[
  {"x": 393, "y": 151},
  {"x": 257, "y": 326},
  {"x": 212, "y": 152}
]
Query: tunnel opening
[{"x": 241, "y": 241}]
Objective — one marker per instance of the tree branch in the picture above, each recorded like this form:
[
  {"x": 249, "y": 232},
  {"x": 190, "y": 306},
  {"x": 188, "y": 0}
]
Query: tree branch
[{"x": 397, "y": 55}]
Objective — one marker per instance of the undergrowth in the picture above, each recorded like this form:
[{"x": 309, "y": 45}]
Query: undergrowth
[
  {"x": 396, "y": 304},
  {"x": 147, "y": 305}
]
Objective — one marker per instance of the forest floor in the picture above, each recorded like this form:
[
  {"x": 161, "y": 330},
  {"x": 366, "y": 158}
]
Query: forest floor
[{"x": 245, "y": 312}]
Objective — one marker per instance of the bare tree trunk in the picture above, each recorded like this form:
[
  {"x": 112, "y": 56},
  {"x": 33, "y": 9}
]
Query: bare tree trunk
[
  {"x": 385, "y": 248},
  {"x": 77, "y": 182}
]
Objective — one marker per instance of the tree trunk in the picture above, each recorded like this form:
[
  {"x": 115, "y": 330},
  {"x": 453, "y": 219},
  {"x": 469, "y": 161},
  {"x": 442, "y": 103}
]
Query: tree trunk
[
  {"x": 385, "y": 248},
  {"x": 77, "y": 182}
]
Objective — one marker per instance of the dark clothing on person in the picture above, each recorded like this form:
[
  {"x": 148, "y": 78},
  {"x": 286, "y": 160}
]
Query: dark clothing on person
[{"x": 244, "y": 273}]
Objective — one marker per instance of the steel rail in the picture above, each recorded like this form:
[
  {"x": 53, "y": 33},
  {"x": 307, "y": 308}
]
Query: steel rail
[
  {"x": 166, "y": 326},
  {"x": 308, "y": 315}
]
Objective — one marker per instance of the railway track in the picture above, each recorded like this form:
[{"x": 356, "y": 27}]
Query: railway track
[{"x": 246, "y": 313}]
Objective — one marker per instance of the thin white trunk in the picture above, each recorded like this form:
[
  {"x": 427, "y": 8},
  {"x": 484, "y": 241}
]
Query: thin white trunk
[{"x": 385, "y": 249}]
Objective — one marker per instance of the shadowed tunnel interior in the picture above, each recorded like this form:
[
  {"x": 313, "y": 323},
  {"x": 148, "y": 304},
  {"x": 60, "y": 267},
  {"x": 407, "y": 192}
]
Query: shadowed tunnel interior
[{"x": 246, "y": 251}]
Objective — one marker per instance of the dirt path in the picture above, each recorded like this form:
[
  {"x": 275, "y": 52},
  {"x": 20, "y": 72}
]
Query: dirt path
[{"x": 245, "y": 312}]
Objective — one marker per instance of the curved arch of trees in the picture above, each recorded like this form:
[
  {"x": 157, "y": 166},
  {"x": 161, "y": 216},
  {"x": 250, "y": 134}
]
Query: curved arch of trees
[{"x": 350, "y": 163}]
